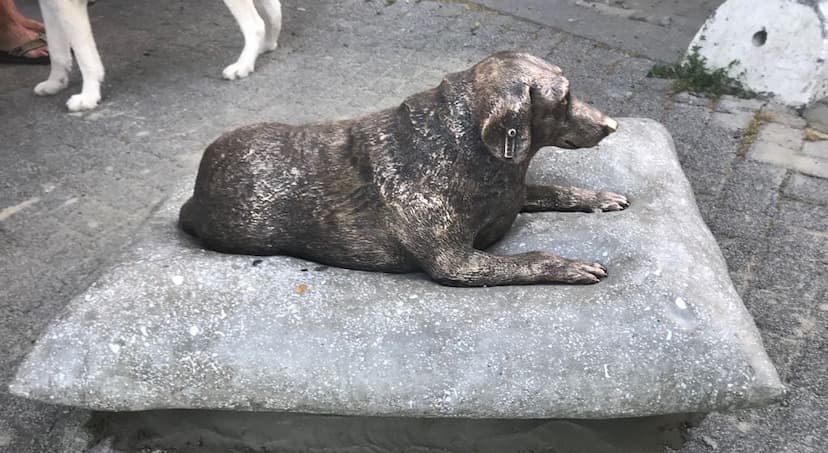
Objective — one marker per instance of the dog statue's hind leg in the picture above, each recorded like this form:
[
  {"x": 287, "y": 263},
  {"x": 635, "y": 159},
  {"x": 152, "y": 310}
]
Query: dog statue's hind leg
[
  {"x": 253, "y": 29},
  {"x": 567, "y": 198}
]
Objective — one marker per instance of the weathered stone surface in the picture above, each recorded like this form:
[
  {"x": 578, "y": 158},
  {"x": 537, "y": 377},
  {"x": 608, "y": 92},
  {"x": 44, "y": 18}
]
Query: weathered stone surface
[{"x": 174, "y": 326}]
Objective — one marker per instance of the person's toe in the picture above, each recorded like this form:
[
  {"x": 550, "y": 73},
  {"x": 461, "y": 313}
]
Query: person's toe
[
  {"x": 34, "y": 25},
  {"x": 38, "y": 53}
]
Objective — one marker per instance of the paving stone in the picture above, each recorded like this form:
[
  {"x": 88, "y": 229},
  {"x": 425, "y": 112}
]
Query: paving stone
[
  {"x": 143, "y": 194},
  {"x": 733, "y": 121},
  {"x": 696, "y": 144},
  {"x": 732, "y": 104},
  {"x": 807, "y": 418},
  {"x": 742, "y": 255},
  {"x": 65, "y": 425},
  {"x": 742, "y": 223},
  {"x": 807, "y": 372},
  {"x": 818, "y": 149},
  {"x": 775, "y": 313},
  {"x": 817, "y": 116},
  {"x": 692, "y": 99},
  {"x": 794, "y": 260},
  {"x": 747, "y": 204},
  {"x": 789, "y": 119},
  {"x": 707, "y": 206},
  {"x": 786, "y": 157},
  {"x": 781, "y": 112},
  {"x": 784, "y": 349},
  {"x": 804, "y": 215},
  {"x": 735, "y": 433},
  {"x": 782, "y": 135},
  {"x": 807, "y": 188},
  {"x": 20, "y": 179},
  {"x": 6, "y": 243}
]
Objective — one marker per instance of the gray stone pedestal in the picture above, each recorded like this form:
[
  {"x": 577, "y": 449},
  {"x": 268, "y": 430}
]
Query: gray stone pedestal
[{"x": 177, "y": 327}]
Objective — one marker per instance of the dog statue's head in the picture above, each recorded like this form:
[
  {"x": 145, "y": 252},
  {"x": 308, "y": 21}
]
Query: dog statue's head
[{"x": 523, "y": 104}]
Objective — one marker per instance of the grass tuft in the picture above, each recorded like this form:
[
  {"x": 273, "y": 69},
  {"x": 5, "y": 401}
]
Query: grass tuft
[
  {"x": 751, "y": 132},
  {"x": 693, "y": 74}
]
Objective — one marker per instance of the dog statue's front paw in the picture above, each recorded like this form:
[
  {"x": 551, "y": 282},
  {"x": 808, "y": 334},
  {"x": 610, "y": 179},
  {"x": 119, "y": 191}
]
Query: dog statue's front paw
[
  {"x": 584, "y": 272},
  {"x": 609, "y": 201},
  {"x": 81, "y": 102},
  {"x": 50, "y": 87},
  {"x": 237, "y": 70},
  {"x": 557, "y": 269}
]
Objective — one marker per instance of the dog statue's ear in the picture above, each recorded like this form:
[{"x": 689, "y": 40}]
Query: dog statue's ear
[{"x": 506, "y": 129}]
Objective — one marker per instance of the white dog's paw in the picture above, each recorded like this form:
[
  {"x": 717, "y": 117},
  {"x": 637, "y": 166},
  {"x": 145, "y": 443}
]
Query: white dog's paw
[
  {"x": 270, "y": 43},
  {"x": 80, "y": 102},
  {"x": 49, "y": 87},
  {"x": 238, "y": 70}
]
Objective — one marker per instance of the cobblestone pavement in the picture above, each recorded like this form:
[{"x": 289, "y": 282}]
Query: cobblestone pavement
[{"x": 74, "y": 187}]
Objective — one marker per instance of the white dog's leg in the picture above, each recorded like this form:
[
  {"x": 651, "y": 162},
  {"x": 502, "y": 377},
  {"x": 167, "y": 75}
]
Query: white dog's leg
[
  {"x": 73, "y": 20},
  {"x": 76, "y": 23},
  {"x": 253, "y": 28},
  {"x": 60, "y": 54},
  {"x": 271, "y": 10}
]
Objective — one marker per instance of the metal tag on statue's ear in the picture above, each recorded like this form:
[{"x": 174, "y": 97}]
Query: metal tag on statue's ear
[{"x": 509, "y": 144}]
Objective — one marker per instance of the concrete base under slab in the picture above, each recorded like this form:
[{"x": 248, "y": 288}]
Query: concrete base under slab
[{"x": 185, "y": 431}]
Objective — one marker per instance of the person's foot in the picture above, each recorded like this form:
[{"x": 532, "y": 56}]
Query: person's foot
[{"x": 15, "y": 35}]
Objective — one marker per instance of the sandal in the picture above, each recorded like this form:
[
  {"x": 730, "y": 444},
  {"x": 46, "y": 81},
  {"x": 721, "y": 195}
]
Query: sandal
[{"x": 18, "y": 54}]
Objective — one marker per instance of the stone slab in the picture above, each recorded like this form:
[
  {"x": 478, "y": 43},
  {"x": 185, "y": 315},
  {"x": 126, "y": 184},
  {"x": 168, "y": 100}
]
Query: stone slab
[{"x": 175, "y": 326}]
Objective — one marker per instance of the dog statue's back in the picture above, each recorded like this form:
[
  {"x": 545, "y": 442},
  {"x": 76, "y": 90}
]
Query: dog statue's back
[{"x": 270, "y": 189}]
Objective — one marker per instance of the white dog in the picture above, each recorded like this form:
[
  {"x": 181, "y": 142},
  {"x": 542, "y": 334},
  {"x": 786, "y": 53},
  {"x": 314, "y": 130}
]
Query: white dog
[{"x": 68, "y": 29}]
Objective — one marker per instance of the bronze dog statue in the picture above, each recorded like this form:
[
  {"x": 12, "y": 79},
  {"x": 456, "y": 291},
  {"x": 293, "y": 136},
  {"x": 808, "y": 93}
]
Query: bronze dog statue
[{"x": 424, "y": 186}]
